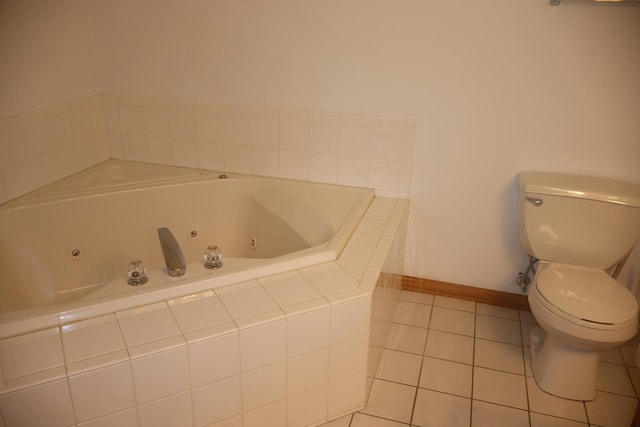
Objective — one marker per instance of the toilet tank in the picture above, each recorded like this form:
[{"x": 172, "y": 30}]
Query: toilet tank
[{"x": 577, "y": 219}]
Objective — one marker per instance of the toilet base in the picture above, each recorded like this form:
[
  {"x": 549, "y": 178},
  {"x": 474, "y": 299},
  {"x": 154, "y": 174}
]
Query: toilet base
[{"x": 562, "y": 370}]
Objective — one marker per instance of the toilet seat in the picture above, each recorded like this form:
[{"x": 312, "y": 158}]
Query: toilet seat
[{"x": 581, "y": 294}]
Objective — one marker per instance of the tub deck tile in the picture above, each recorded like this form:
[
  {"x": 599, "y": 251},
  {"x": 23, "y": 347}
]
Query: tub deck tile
[
  {"x": 91, "y": 338},
  {"x": 147, "y": 324},
  {"x": 330, "y": 278},
  {"x": 210, "y": 332},
  {"x": 289, "y": 288},
  {"x": 97, "y": 362},
  {"x": 31, "y": 353},
  {"x": 247, "y": 300},
  {"x": 157, "y": 346},
  {"x": 198, "y": 311}
]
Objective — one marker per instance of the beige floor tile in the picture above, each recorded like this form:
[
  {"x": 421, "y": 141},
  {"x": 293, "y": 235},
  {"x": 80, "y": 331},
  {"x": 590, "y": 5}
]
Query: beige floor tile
[
  {"x": 498, "y": 387},
  {"x": 614, "y": 379},
  {"x": 611, "y": 410},
  {"x": 525, "y": 329},
  {"x": 484, "y": 414},
  {"x": 497, "y": 329},
  {"x": 237, "y": 422},
  {"x": 461, "y": 335},
  {"x": 454, "y": 303},
  {"x": 418, "y": 297},
  {"x": 399, "y": 367},
  {"x": 527, "y": 317},
  {"x": 446, "y": 376},
  {"x": 635, "y": 379},
  {"x": 628, "y": 353},
  {"x": 527, "y": 361},
  {"x": 612, "y": 356},
  {"x": 454, "y": 321},
  {"x": 413, "y": 314},
  {"x": 541, "y": 420},
  {"x": 445, "y": 345},
  {"x": 391, "y": 401},
  {"x": 406, "y": 338},
  {"x": 435, "y": 409},
  {"x": 545, "y": 403},
  {"x": 499, "y": 356},
  {"x": 339, "y": 422},
  {"x": 362, "y": 420},
  {"x": 494, "y": 310}
]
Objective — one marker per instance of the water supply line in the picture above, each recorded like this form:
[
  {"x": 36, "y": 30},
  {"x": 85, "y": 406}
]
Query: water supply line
[
  {"x": 523, "y": 280},
  {"x": 619, "y": 266}
]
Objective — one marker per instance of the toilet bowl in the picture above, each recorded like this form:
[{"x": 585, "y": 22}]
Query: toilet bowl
[
  {"x": 581, "y": 311},
  {"x": 578, "y": 227}
]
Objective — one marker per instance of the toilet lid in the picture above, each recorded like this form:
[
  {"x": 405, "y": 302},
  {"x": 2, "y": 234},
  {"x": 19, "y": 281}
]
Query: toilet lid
[{"x": 587, "y": 294}]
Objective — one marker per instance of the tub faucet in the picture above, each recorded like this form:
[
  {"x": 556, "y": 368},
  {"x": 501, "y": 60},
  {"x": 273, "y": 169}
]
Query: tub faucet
[{"x": 173, "y": 256}]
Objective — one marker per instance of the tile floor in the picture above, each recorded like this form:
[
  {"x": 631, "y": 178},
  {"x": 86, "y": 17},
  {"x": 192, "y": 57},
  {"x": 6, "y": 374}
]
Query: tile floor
[{"x": 450, "y": 363}]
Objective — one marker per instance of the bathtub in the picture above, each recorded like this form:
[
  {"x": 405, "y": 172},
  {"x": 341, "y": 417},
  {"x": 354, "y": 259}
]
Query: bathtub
[
  {"x": 65, "y": 249},
  {"x": 303, "y": 303}
]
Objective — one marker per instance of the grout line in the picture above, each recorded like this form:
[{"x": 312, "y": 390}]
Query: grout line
[
  {"x": 633, "y": 385},
  {"x": 504, "y": 372},
  {"x": 378, "y": 417},
  {"x": 586, "y": 413},
  {"x": 422, "y": 356},
  {"x": 526, "y": 383},
  {"x": 586, "y": 423},
  {"x": 507, "y": 406}
]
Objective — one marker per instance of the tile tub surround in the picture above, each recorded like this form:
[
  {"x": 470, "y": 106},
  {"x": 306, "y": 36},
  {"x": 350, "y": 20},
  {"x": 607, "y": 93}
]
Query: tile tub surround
[
  {"x": 291, "y": 349},
  {"x": 42, "y": 146}
]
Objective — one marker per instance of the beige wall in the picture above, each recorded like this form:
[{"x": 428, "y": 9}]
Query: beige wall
[
  {"x": 495, "y": 87},
  {"x": 47, "y": 53}
]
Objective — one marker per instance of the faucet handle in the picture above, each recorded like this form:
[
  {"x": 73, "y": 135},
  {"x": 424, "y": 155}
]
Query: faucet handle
[
  {"x": 137, "y": 273},
  {"x": 213, "y": 257}
]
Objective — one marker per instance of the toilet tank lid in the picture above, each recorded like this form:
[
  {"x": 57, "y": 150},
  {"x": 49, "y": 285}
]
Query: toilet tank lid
[{"x": 580, "y": 186}]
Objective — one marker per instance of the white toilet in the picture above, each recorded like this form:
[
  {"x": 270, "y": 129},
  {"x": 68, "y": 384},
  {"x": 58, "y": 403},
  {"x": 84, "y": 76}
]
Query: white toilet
[{"x": 578, "y": 227}]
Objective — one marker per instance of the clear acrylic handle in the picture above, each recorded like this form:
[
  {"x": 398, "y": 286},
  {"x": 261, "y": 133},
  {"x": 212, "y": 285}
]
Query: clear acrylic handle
[
  {"x": 137, "y": 273},
  {"x": 213, "y": 257}
]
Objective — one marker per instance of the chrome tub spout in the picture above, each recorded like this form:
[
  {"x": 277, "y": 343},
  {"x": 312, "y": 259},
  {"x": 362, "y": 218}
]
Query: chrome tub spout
[{"x": 173, "y": 256}]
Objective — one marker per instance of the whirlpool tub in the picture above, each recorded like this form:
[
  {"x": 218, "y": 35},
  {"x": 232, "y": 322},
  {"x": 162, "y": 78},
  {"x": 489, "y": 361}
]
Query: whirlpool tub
[
  {"x": 65, "y": 249},
  {"x": 288, "y": 332}
]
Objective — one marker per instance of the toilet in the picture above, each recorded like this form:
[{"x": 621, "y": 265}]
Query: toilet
[{"x": 578, "y": 228}]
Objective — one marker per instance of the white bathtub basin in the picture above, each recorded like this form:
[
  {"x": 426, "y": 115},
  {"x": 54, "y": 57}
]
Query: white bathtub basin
[{"x": 64, "y": 249}]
